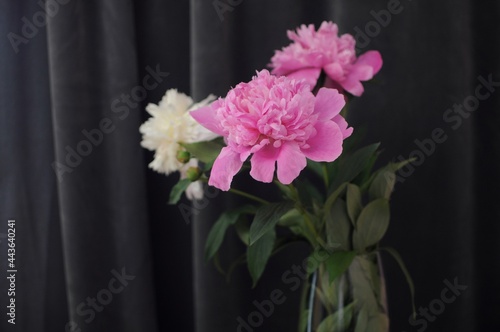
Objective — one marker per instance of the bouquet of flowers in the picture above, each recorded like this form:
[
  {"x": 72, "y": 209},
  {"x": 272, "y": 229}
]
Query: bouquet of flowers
[{"x": 288, "y": 128}]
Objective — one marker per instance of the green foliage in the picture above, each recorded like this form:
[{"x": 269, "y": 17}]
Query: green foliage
[
  {"x": 338, "y": 321},
  {"x": 354, "y": 203},
  {"x": 338, "y": 263},
  {"x": 402, "y": 266},
  {"x": 218, "y": 230},
  {"x": 266, "y": 217},
  {"x": 352, "y": 165},
  {"x": 178, "y": 190},
  {"x": 258, "y": 254},
  {"x": 206, "y": 152},
  {"x": 338, "y": 226},
  {"x": 372, "y": 224}
]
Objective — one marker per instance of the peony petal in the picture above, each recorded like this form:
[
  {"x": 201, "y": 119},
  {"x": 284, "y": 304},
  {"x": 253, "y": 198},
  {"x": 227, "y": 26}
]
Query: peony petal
[
  {"x": 225, "y": 167},
  {"x": 310, "y": 75},
  {"x": 334, "y": 71},
  {"x": 290, "y": 162},
  {"x": 365, "y": 67},
  {"x": 263, "y": 163},
  {"x": 206, "y": 117},
  {"x": 372, "y": 59},
  {"x": 342, "y": 123},
  {"x": 361, "y": 72},
  {"x": 326, "y": 145},
  {"x": 353, "y": 86},
  {"x": 329, "y": 103}
]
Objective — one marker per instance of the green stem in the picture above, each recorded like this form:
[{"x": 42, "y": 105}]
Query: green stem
[
  {"x": 247, "y": 195},
  {"x": 241, "y": 193},
  {"x": 303, "y": 211}
]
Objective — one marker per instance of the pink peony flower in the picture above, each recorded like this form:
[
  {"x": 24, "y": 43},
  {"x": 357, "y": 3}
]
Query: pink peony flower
[
  {"x": 313, "y": 51},
  {"x": 277, "y": 120}
]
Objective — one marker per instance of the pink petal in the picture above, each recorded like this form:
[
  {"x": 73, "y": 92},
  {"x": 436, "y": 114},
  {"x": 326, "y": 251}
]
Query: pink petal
[
  {"x": 366, "y": 66},
  {"x": 310, "y": 75},
  {"x": 372, "y": 59},
  {"x": 290, "y": 162},
  {"x": 326, "y": 145},
  {"x": 225, "y": 167},
  {"x": 263, "y": 163},
  {"x": 353, "y": 86},
  {"x": 329, "y": 103},
  {"x": 206, "y": 117},
  {"x": 342, "y": 123},
  {"x": 334, "y": 71},
  {"x": 361, "y": 72}
]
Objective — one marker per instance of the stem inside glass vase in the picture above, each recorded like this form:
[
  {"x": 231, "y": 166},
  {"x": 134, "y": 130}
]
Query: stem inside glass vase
[{"x": 353, "y": 302}]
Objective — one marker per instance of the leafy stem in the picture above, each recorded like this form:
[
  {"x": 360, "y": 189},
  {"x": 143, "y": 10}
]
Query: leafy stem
[
  {"x": 240, "y": 193},
  {"x": 247, "y": 195},
  {"x": 309, "y": 223}
]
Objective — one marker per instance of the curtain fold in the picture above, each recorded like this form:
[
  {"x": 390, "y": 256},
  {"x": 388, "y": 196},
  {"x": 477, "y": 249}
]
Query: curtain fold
[
  {"x": 96, "y": 94},
  {"x": 27, "y": 183},
  {"x": 98, "y": 248}
]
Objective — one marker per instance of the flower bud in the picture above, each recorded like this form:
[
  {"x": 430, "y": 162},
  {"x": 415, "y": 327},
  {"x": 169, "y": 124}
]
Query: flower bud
[
  {"x": 193, "y": 173},
  {"x": 183, "y": 156}
]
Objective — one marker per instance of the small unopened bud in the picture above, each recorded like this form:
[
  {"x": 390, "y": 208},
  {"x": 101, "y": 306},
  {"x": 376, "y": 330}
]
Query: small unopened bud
[
  {"x": 183, "y": 156},
  {"x": 193, "y": 173}
]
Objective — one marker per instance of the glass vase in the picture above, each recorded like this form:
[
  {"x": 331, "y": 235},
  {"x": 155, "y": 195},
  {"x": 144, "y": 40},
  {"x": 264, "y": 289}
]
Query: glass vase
[{"x": 353, "y": 302}]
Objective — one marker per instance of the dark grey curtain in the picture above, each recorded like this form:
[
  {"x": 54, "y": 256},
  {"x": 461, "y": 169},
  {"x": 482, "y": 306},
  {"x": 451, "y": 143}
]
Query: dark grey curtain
[{"x": 92, "y": 220}]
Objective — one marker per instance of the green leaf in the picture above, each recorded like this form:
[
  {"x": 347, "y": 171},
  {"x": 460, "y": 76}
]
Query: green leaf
[
  {"x": 178, "y": 190},
  {"x": 397, "y": 257},
  {"x": 226, "y": 219},
  {"x": 383, "y": 184},
  {"x": 338, "y": 227},
  {"x": 366, "y": 173},
  {"x": 315, "y": 167},
  {"x": 266, "y": 218},
  {"x": 353, "y": 164},
  {"x": 206, "y": 152},
  {"x": 338, "y": 321},
  {"x": 242, "y": 227},
  {"x": 338, "y": 263},
  {"x": 308, "y": 193},
  {"x": 379, "y": 323},
  {"x": 397, "y": 166},
  {"x": 354, "y": 205},
  {"x": 362, "y": 285},
  {"x": 291, "y": 218},
  {"x": 284, "y": 189},
  {"x": 258, "y": 254},
  {"x": 333, "y": 196},
  {"x": 362, "y": 321},
  {"x": 372, "y": 224}
]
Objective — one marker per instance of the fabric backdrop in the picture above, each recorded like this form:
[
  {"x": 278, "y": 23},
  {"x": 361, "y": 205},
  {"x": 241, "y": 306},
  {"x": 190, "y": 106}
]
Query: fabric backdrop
[{"x": 92, "y": 219}]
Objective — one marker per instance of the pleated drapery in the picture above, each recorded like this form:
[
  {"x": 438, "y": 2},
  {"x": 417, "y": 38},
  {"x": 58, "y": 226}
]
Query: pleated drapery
[{"x": 92, "y": 220}]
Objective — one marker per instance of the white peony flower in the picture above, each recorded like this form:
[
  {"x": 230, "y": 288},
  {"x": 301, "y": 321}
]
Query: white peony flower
[{"x": 171, "y": 123}]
